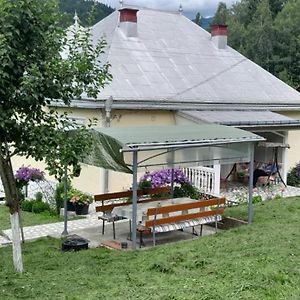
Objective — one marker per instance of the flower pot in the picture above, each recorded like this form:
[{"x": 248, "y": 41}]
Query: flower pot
[
  {"x": 70, "y": 206},
  {"x": 82, "y": 209}
]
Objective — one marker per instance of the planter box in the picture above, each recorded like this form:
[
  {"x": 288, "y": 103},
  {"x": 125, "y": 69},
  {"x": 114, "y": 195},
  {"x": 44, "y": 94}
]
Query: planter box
[
  {"x": 81, "y": 209},
  {"x": 70, "y": 206}
]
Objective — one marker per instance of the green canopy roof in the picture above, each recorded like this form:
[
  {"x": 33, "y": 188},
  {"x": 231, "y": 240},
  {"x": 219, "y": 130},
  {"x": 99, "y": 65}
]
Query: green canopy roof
[{"x": 191, "y": 143}]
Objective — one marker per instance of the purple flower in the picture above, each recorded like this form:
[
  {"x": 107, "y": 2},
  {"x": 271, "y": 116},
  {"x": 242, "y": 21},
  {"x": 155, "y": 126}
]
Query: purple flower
[
  {"x": 164, "y": 177},
  {"x": 26, "y": 174}
]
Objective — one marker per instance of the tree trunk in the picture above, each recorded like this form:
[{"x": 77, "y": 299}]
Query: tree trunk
[
  {"x": 12, "y": 201},
  {"x": 16, "y": 242}
]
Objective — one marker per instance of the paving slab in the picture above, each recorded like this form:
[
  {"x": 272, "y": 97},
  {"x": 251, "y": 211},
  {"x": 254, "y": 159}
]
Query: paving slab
[
  {"x": 4, "y": 241},
  {"x": 55, "y": 229}
]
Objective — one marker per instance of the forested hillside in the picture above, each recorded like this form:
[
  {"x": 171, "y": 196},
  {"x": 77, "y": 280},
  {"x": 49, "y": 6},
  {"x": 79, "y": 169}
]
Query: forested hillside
[
  {"x": 88, "y": 11},
  {"x": 267, "y": 32}
]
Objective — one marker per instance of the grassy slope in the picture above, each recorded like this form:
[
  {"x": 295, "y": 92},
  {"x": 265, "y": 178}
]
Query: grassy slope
[
  {"x": 27, "y": 218},
  {"x": 261, "y": 261}
]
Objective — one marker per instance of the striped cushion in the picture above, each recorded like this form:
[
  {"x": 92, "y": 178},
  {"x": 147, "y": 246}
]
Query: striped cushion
[{"x": 186, "y": 224}]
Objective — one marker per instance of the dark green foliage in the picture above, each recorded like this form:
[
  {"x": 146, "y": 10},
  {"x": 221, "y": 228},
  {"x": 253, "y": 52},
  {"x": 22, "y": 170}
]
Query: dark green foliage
[
  {"x": 35, "y": 206},
  {"x": 144, "y": 184},
  {"x": 89, "y": 11},
  {"x": 59, "y": 195},
  {"x": 39, "y": 207},
  {"x": 267, "y": 32},
  {"x": 59, "y": 200},
  {"x": 293, "y": 176},
  {"x": 256, "y": 199},
  {"x": 26, "y": 205},
  {"x": 261, "y": 36},
  {"x": 186, "y": 190},
  {"x": 287, "y": 54},
  {"x": 220, "y": 17},
  {"x": 198, "y": 19},
  {"x": 39, "y": 196}
]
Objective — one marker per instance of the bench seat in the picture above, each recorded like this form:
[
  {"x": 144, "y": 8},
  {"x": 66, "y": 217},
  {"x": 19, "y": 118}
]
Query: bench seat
[
  {"x": 186, "y": 224},
  {"x": 180, "y": 216},
  {"x": 111, "y": 200}
]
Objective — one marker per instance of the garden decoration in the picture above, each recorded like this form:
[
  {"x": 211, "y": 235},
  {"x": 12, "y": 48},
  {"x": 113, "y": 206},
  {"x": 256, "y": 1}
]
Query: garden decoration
[
  {"x": 25, "y": 174},
  {"x": 80, "y": 201}
]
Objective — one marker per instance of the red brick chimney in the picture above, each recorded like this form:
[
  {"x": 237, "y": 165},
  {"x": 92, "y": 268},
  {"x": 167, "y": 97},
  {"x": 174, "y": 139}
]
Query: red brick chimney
[
  {"x": 128, "y": 21},
  {"x": 219, "y": 35}
]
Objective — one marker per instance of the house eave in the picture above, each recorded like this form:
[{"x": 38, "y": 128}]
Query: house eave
[
  {"x": 252, "y": 124},
  {"x": 176, "y": 105}
]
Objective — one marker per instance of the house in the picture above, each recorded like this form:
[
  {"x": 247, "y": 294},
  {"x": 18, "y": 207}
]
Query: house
[{"x": 167, "y": 70}]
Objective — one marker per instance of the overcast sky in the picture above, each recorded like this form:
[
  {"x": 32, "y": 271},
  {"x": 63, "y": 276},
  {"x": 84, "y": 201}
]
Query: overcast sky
[{"x": 191, "y": 7}]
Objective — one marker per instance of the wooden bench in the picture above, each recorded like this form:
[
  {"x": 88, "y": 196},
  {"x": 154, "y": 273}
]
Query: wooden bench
[
  {"x": 180, "y": 216},
  {"x": 111, "y": 200}
]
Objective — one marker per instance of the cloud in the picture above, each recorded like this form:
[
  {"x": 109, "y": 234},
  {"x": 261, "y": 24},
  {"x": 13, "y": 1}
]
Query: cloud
[{"x": 205, "y": 7}]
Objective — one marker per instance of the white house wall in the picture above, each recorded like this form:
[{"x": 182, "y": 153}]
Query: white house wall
[{"x": 293, "y": 154}]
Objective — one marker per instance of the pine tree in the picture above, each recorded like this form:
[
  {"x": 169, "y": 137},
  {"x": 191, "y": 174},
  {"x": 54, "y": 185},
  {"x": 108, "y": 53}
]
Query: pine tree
[{"x": 221, "y": 14}]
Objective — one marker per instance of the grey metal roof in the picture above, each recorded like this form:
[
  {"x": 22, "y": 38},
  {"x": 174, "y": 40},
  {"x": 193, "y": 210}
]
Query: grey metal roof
[
  {"x": 172, "y": 60},
  {"x": 241, "y": 119}
]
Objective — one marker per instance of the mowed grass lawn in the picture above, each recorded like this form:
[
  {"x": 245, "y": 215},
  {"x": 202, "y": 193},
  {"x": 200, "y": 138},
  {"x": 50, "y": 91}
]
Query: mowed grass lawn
[
  {"x": 28, "y": 218},
  {"x": 260, "y": 261}
]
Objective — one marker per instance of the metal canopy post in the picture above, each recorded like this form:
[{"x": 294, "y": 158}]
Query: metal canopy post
[
  {"x": 134, "y": 198},
  {"x": 251, "y": 171}
]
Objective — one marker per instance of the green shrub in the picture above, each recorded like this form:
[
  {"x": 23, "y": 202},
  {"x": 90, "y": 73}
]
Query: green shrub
[
  {"x": 59, "y": 195},
  {"x": 293, "y": 176},
  {"x": 39, "y": 207},
  {"x": 39, "y": 196},
  {"x": 186, "y": 190},
  {"x": 256, "y": 199},
  {"x": 144, "y": 184},
  {"x": 26, "y": 205}
]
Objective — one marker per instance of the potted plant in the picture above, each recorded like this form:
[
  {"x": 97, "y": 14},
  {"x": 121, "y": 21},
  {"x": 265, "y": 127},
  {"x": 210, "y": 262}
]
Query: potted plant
[
  {"x": 80, "y": 200},
  {"x": 241, "y": 175}
]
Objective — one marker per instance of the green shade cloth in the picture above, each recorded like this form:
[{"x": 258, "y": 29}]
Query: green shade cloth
[{"x": 206, "y": 143}]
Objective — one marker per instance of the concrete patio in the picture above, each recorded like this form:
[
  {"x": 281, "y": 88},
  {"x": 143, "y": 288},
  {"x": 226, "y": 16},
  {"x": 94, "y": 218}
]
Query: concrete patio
[{"x": 91, "y": 228}]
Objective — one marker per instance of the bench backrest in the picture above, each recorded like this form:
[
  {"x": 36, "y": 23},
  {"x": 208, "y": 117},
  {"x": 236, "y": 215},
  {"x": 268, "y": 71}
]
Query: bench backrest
[
  {"x": 160, "y": 215},
  {"x": 123, "y": 197}
]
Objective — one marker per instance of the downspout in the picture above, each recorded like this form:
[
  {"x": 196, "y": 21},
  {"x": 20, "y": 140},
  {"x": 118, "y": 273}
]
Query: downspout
[{"x": 107, "y": 123}]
